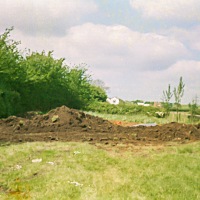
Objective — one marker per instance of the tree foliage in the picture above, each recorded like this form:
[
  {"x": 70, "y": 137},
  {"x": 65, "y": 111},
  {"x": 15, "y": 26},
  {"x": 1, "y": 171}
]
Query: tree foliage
[
  {"x": 11, "y": 75},
  {"x": 193, "y": 108},
  {"x": 99, "y": 83},
  {"x": 38, "y": 81},
  {"x": 178, "y": 94},
  {"x": 167, "y": 95}
]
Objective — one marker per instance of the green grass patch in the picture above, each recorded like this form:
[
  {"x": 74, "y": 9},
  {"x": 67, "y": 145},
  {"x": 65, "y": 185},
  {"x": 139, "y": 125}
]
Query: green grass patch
[
  {"x": 137, "y": 118},
  {"x": 81, "y": 171},
  {"x": 143, "y": 118}
]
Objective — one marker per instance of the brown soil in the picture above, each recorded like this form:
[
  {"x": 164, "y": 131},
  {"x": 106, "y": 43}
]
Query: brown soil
[{"x": 64, "y": 124}]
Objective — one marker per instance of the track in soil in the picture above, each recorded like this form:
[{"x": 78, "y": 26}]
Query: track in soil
[{"x": 64, "y": 124}]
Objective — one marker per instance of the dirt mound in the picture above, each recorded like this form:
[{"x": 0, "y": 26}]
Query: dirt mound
[
  {"x": 66, "y": 124},
  {"x": 58, "y": 120}
]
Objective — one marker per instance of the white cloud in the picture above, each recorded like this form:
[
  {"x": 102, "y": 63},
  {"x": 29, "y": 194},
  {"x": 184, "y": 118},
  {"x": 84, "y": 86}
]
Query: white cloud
[
  {"x": 181, "y": 10},
  {"x": 113, "y": 47},
  {"x": 110, "y": 46},
  {"x": 46, "y": 16},
  {"x": 134, "y": 65},
  {"x": 149, "y": 86},
  {"x": 159, "y": 80},
  {"x": 117, "y": 46},
  {"x": 190, "y": 37}
]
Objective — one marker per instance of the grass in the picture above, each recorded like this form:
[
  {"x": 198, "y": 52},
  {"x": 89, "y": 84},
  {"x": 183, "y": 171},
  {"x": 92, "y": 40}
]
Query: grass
[
  {"x": 142, "y": 118},
  {"x": 81, "y": 171}
]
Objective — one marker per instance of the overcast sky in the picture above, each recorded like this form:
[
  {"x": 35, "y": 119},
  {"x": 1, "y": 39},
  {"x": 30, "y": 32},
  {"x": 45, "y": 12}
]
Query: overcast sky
[{"x": 137, "y": 47}]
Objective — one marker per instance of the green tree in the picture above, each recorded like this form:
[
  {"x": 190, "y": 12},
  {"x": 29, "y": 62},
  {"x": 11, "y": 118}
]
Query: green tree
[
  {"x": 97, "y": 93},
  {"x": 83, "y": 90},
  {"x": 46, "y": 82},
  {"x": 80, "y": 88},
  {"x": 11, "y": 70},
  {"x": 193, "y": 108},
  {"x": 11, "y": 75},
  {"x": 178, "y": 94},
  {"x": 98, "y": 90},
  {"x": 38, "y": 81},
  {"x": 167, "y": 95}
]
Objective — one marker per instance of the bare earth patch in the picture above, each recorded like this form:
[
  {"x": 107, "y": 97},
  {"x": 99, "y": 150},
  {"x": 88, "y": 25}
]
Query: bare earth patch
[{"x": 64, "y": 124}]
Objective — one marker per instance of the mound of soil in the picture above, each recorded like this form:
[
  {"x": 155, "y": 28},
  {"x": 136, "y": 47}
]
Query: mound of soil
[{"x": 66, "y": 124}]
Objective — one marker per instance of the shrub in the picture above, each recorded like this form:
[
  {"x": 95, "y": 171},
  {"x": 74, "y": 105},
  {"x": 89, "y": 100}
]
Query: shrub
[
  {"x": 122, "y": 108},
  {"x": 9, "y": 103}
]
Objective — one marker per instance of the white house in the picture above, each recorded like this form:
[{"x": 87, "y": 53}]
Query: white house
[
  {"x": 143, "y": 104},
  {"x": 114, "y": 100}
]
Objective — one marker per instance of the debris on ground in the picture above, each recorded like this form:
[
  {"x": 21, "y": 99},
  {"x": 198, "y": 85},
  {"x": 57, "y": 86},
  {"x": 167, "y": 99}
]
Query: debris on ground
[
  {"x": 75, "y": 183},
  {"x": 38, "y": 160},
  {"x": 18, "y": 167},
  {"x": 51, "y": 163},
  {"x": 77, "y": 152}
]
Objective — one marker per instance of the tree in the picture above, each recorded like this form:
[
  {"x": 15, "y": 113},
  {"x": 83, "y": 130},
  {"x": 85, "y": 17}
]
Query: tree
[
  {"x": 178, "y": 94},
  {"x": 38, "y": 81},
  {"x": 79, "y": 87},
  {"x": 193, "y": 108},
  {"x": 12, "y": 75},
  {"x": 98, "y": 90},
  {"x": 167, "y": 95},
  {"x": 97, "y": 93},
  {"x": 11, "y": 70},
  {"x": 100, "y": 83}
]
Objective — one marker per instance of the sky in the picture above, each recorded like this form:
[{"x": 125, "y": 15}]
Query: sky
[{"x": 136, "y": 47}]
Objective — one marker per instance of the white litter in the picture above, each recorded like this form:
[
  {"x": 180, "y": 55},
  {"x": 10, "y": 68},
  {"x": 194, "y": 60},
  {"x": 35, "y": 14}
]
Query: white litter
[
  {"x": 18, "y": 167},
  {"x": 38, "y": 160},
  {"x": 75, "y": 183},
  {"x": 51, "y": 163},
  {"x": 147, "y": 125},
  {"x": 77, "y": 152}
]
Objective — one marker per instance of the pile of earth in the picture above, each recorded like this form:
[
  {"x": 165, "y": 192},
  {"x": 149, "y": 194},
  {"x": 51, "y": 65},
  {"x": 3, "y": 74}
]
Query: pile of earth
[{"x": 65, "y": 124}]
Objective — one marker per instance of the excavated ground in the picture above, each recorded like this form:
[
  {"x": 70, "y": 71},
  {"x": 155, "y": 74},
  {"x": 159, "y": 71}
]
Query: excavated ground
[{"x": 64, "y": 124}]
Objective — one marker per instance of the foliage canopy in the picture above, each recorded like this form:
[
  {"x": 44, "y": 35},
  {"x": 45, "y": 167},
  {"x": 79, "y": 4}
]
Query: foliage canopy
[{"x": 38, "y": 81}]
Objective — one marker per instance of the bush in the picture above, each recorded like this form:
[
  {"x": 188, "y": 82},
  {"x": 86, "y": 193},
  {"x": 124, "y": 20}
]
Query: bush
[
  {"x": 9, "y": 103},
  {"x": 37, "y": 81},
  {"x": 121, "y": 109}
]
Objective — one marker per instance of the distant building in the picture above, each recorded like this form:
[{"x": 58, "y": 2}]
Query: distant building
[
  {"x": 143, "y": 104},
  {"x": 140, "y": 103},
  {"x": 114, "y": 100}
]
